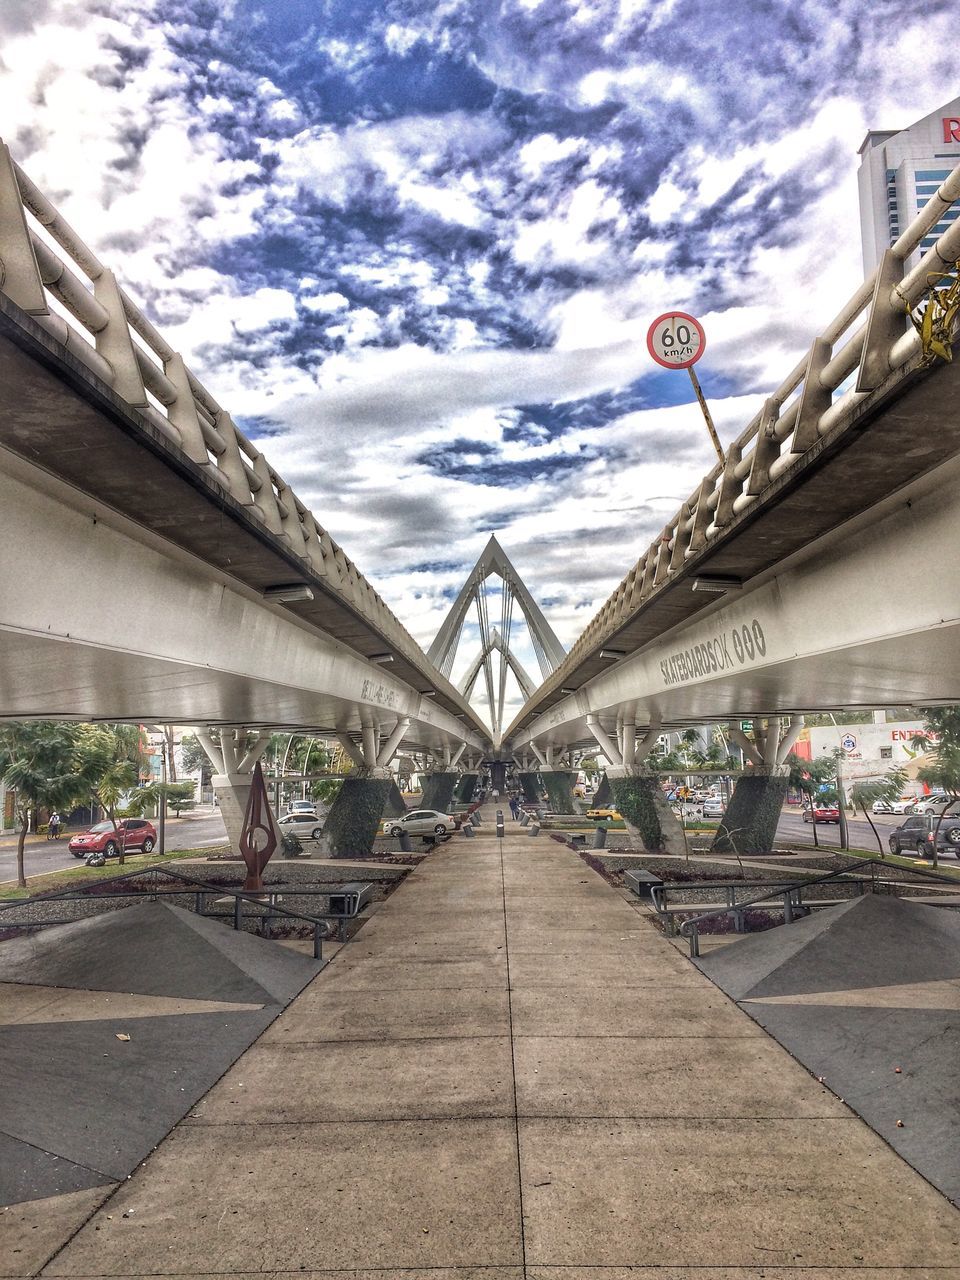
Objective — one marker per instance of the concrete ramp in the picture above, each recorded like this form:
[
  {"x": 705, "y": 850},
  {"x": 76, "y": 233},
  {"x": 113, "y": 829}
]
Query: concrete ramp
[
  {"x": 111, "y": 1029},
  {"x": 867, "y": 996},
  {"x": 157, "y": 949}
]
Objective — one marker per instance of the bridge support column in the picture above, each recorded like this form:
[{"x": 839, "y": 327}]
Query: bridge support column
[
  {"x": 749, "y": 824},
  {"x": 559, "y": 784},
  {"x": 466, "y": 787},
  {"x": 438, "y": 790},
  {"x": 354, "y": 818},
  {"x": 635, "y": 792},
  {"x": 233, "y": 757},
  {"x": 530, "y": 784}
]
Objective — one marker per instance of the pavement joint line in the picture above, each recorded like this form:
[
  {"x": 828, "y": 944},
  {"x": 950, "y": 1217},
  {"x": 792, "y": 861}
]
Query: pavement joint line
[
  {"x": 513, "y": 1064},
  {"x": 572, "y": 1118}
]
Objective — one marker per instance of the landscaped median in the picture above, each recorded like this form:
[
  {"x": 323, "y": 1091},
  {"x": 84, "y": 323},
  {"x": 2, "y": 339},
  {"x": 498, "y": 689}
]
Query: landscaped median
[{"x": 71, "y": 877}]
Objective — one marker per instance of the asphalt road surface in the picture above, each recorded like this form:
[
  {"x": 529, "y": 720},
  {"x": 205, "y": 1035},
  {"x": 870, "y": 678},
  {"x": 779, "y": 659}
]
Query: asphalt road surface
[
  {"x": 794, "y": 830},
  {"x": 201, "y": 830}
]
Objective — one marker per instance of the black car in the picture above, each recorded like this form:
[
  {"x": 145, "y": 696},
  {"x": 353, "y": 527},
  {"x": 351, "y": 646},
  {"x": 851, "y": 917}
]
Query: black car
[{"x": 916, "y": 835}]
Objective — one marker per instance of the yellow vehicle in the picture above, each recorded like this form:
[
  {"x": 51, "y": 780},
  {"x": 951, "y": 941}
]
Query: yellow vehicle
[{"x": 610, "y": 815}]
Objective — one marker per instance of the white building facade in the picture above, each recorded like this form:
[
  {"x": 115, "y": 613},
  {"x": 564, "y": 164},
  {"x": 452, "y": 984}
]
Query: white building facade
[{"x": 899, "y": 171}]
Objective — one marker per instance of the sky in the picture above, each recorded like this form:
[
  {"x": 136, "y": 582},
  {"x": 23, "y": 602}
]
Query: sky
[{"x": 415, "y": 248}]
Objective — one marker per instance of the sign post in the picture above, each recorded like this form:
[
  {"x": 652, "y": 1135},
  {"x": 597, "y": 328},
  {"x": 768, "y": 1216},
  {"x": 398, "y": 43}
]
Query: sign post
[{"x": 677, "y": 341}]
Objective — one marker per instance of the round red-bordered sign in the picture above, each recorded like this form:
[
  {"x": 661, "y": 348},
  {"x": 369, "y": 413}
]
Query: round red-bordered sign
[{"x": 676, "y": 340}]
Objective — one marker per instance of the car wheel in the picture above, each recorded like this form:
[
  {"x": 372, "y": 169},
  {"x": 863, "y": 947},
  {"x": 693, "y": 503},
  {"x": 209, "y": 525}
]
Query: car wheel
[
  {"x": 148, "y": 845},
  {"x": 805, "y": 816},
  {"x": 77, "y": 854},
  {"x": 396, "y": 831},
  {"x": 921, "y": 848},
  {"x": 440, "y": 829},
  {"x": 953, "y": 835},
  {"x": 894, "y": 844},
  {"x": 110, "y": 849},
  {"x": 316, "y": 833}
]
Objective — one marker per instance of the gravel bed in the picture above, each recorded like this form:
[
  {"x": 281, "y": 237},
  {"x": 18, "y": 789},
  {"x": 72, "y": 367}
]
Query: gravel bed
[{"x": 284, "y": 875}]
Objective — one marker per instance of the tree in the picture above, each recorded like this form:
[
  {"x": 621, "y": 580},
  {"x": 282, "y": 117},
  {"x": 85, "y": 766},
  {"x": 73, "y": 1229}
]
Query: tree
[
  {"x": 944, "y": 772},
  {"x": 813, "y": 778},
  {"x": 110, "y": 760},
  {"x": 38, "y": 761},
  {"x": 866, "y": 794},
  {"x": 194, "y": 759}
]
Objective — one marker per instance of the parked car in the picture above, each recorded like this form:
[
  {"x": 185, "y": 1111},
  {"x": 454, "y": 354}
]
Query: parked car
[
  {"x": 604, "y": 815},
  {"x": 134, "y": 833},
  {"x": 713, "y": 807},
  {"x": 916, "y": 835},
  {"x": 306, "y": 826},
  {"x": 932, "y": 804},
  {"x": 302, "y": 806},
  {"x": 822, "y": 813},
  {"x": 906, "y": 804},
  {"x": 422, "y": 822}
]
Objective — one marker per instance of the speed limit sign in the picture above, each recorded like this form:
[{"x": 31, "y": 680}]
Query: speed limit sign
[{"x": 676, "y": 340}]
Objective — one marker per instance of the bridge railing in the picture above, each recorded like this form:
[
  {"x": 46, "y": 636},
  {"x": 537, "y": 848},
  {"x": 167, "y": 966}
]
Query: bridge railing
[
  {"x": 47, "y": 270},
  {"x": 869, "y": 337}
]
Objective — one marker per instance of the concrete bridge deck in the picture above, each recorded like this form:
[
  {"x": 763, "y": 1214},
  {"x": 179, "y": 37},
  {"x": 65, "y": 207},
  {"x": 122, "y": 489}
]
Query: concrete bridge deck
[{"x": 510, "y": 1074}]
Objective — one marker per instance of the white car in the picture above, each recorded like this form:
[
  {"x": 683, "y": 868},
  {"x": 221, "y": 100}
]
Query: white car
[
  {"x": 306, "y": 826},
  {"x": 713, "y": 807},
  {"x": 932, "y": 804},
  {"x": 421, "y": 822},
  {"x": 905, "y": 804}
]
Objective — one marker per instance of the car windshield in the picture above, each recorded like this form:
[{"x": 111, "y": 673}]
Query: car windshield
[{"x": 101, "y": 827}]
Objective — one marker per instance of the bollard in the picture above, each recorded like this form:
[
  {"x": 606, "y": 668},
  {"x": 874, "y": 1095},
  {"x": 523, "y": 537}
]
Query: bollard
[
  {"x": 499, "y": 824},
  {"x": 525, "y": 819},
  {"x": 467, "y": 830},
  {"x": 599, "y": 837},
  {"x": 534, "y": 829},
  {"x": 475, "y": 817},
  {"x": 405, "y": 845}
]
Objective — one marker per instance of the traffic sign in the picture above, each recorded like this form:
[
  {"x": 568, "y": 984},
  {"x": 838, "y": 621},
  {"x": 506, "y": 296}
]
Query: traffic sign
[
  {"x": 746, "y": 726},
  {"x": 676, "y": 340}
]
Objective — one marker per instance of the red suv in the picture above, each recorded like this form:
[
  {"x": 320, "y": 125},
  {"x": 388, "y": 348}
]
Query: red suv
[{"x": 136, "y": 833}]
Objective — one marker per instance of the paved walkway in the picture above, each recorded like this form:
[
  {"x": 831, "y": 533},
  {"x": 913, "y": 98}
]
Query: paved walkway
[{"x": 510, "y": 1074}]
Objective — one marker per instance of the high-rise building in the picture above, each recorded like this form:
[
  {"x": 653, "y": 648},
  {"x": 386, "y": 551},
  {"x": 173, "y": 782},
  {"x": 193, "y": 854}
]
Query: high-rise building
[{"x": 899, "y": 171}]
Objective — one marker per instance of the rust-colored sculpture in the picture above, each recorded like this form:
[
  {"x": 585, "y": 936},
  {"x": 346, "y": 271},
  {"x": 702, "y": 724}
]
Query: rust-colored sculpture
[{"x": 258, "y": 840}]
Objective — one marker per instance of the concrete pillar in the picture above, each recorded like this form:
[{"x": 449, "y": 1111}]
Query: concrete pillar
[
  {"x": 354, "y": 818},
  {"x": 465, "y": 788},
  {"x": 559, "y": 784},
  {"x": 233, "y": 757},
  {"x": 438, "y": 790},
  {"x": 498, "y": 775},
  {"x": 749, "y": 825},
  {"x": 530, "y": 782},
  {"x": 638, "y": 796}
]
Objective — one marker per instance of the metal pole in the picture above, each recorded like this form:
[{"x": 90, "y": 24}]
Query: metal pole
[
  {"x": 844, "y": 833},
  {"x": 706, "y": 413},
  {"x": 162, "y": 832}
]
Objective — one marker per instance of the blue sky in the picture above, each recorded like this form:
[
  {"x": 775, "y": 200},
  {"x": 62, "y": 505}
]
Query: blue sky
[{"x": 415, "y": 247}]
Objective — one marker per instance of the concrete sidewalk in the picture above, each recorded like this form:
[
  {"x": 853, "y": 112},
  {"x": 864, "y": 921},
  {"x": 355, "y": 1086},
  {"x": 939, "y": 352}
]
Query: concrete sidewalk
[{"x": 510, "y": 1074}]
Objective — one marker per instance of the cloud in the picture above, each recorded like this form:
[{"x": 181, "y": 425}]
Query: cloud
[{"x": 415, "y": 249}]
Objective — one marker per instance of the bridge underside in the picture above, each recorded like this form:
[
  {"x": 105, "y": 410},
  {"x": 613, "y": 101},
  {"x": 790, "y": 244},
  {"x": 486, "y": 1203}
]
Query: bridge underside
[
  {"x": 103, "y": 621},
  {"x": 867, "y": 616}
]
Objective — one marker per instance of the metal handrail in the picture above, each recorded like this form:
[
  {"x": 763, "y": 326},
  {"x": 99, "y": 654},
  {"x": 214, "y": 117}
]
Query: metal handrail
[
  {"x": 691, "y": 928},
  {"x": 197, "y": 887}
]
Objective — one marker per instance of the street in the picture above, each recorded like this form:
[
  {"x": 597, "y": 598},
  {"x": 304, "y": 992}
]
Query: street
[
  {"x": 794, "y": 830},
  {"x": 201, "y": 830}
]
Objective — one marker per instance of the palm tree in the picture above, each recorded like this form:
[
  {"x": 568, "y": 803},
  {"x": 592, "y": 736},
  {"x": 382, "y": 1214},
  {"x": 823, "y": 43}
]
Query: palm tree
[
  {"x": 38, "y": 762},
  {"x": 110, "y": 759}
]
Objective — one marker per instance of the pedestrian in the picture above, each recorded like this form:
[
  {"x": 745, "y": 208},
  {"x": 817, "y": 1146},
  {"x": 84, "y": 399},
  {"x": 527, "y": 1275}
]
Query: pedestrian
[
  {"x": 54, "y": 824},
  {"x": 496, "y": 793}
]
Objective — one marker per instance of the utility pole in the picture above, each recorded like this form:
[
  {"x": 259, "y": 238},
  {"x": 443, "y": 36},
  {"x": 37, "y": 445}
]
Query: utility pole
[{"x": 162, "y": 824}]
